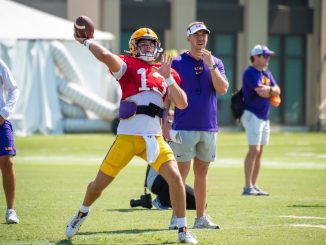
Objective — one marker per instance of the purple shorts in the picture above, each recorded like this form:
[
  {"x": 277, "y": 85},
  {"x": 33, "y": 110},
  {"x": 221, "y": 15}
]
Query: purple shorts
[{"x": 7, "y": 144}]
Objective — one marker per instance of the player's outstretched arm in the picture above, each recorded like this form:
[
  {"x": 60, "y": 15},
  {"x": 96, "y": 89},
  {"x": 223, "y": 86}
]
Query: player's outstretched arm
[{"x": 112, "y": 61}]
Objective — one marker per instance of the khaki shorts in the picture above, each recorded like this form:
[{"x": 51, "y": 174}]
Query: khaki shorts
[
  {"x": 125, "y": 147},
  {"x": 199, "y": 144},
  {"x": 257, "y": 130}
]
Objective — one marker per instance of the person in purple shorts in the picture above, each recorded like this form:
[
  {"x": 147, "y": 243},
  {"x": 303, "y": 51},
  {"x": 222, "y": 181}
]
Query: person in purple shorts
[
  {"x": 258, "y": 85},
  {"x": 202, "y": 78},
  {"x": 9, "y": 88}
]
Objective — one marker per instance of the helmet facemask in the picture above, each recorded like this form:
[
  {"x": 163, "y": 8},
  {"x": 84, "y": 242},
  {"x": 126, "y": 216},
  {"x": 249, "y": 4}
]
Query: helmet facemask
[
  {"x": 145, "y": 34},
  {"x": 152, "y": 54}
]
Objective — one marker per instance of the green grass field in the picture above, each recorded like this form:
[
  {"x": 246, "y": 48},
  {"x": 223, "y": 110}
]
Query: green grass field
[{"x": 53, "y": 171}]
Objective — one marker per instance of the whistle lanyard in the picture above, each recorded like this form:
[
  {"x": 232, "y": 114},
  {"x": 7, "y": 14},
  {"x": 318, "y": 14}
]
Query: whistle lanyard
[{"x": 198, "y": 70}]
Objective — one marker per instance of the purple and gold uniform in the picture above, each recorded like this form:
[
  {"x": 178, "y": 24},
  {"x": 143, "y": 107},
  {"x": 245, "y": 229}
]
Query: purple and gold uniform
[{"x": 252, "y": 78}]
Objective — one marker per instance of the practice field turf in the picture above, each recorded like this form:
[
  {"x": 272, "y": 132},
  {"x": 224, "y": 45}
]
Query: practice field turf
[{"x": 53, "y": 172}]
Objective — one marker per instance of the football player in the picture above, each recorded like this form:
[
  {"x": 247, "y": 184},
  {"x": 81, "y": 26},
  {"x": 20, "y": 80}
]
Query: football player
[{"x": 144, "y": 84}]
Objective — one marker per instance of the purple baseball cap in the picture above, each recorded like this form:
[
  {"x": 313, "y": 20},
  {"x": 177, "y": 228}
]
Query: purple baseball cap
[{"x": 261, "y": 50}]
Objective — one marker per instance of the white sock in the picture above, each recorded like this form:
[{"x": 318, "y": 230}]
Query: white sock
[
  {"x": 182, "y": 222},
  {"x": 84, "y": 209}
]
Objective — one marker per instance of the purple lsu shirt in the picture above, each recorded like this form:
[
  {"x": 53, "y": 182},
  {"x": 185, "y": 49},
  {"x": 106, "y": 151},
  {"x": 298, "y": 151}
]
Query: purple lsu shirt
[
  {"x": 196, "y": 81},
  {"x": 251, "y": 79}
]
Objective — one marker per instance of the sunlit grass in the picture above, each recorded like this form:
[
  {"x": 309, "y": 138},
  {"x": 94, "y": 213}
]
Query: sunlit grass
[{"x": 53, "y": 172}]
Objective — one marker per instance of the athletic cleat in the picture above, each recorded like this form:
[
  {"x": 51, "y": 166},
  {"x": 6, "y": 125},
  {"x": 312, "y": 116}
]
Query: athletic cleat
[
  {"x": 75, "y": 223},
  {"x": 157, "y": 204},
  {"x": 186, "y": 236},
  {"x": 11, "y": 217},
  {"x": 205, "y": 222},
  {"x": 173, "y": 223},
  {"x": 249, "y": 191},
  {"x": 260, "y": 191}
]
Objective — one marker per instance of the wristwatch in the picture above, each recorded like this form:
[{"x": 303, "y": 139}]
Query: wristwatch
[{"x": 213, "y": 67}]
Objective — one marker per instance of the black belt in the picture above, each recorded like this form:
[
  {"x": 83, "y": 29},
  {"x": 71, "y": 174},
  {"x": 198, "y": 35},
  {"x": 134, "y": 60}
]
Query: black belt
[{"x": 151, "y": 110}]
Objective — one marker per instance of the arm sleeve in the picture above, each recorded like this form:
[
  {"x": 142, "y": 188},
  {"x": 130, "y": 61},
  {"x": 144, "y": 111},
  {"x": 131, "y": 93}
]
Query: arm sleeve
[
  {"x": 250, "y": 80},
  {"x": 11, "y": 87},
  {"x": 121, "y": 72},
  {"x": 273, "y": 82},
  {"x": 176, "y": 76},
  {"x": 220, "y": 67}
]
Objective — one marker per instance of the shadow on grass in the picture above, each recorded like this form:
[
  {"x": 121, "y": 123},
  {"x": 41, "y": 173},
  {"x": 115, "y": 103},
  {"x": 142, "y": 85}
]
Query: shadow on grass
[
  {"x": 160, "y": 243},
  {"x": 69, "y": 242},
  {"x": 137, "y": 231},
  {"x": 127, "y": 210},
  {"x": 306, "y": 206},
  {"x": 64, "y": 242}
]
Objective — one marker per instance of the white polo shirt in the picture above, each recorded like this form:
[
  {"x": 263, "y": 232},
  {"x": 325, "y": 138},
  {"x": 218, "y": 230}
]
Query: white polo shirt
[{"x": 8, "y": 91}]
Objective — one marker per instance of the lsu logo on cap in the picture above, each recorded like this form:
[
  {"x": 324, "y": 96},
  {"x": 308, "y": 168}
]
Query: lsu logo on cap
[{"x": 8, "y": 148}]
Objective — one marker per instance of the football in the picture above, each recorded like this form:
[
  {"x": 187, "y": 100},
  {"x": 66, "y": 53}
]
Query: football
[{"x": 84, "y": 27}]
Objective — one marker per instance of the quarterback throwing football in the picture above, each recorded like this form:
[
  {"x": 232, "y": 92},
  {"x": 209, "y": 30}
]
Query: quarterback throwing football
[{"x": 144, "y": 85}]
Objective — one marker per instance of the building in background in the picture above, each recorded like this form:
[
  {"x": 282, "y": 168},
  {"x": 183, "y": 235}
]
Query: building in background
[{"x": 295, "y": 29}]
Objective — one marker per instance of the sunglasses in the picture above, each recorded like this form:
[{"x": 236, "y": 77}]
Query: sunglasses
[{"x": 266, "y": 56}]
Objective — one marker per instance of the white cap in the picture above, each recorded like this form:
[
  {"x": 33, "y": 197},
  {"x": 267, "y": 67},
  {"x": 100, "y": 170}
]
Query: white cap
[
  {"x": 197, "y": 27},
  {"x": 261, "y": 49}
]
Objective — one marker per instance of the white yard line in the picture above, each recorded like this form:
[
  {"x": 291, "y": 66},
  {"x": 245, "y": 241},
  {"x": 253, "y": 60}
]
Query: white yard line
[
  {"x": 58, "y": 159},
  {"x": 37, "y": 242},
  {"x": 306, "y": 154},
  {"x": 238, "y": 162},
  {"x": 253, "y": 227},
  {"x": 303, "y": 217},
  {"x": 309, "y": 226},
  {"x": 219, "y": 163}
]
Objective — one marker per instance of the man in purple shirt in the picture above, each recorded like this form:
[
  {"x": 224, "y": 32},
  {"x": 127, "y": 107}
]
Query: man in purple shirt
[
  {"x": 258, "y": 86},
  {"x": 202, "y": 76}
]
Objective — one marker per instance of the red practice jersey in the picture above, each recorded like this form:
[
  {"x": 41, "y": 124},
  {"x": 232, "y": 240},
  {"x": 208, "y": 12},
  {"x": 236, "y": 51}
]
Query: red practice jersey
[{"x": 141, "y": 76}]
